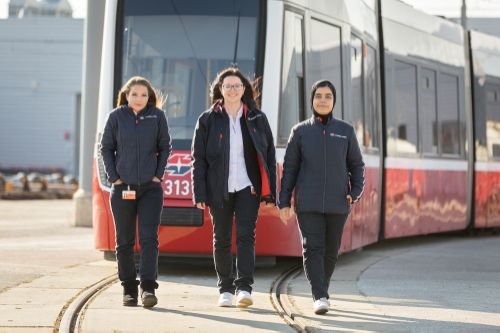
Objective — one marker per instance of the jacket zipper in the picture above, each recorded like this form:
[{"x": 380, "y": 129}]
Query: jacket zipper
[
  {"x": 137, "y": 143},
  {"x": 224, "y": 161},
  {"x": 324, "y": 158}
]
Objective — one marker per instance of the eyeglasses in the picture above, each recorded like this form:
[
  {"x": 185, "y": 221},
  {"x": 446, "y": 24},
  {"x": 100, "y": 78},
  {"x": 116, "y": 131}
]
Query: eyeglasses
[{"x": 228, "y": 87}]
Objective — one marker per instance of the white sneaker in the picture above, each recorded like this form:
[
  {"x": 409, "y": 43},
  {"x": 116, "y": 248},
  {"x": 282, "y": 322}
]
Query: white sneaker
[
  {"x": 321, "y": 306},
  {"x": 244, "y": 299},
  {"x": 225, "y": 299}
]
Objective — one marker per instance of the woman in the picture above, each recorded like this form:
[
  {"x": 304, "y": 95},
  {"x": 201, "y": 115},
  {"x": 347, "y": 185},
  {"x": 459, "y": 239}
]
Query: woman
[
  {"x": 135, "y": 147},
  {"x": 323, "y": 163},
  {"x": 233, "y": 170}
]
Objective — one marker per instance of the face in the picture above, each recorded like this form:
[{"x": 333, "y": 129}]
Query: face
[
  {"x": 323, "y": 100},
  {"x": 232, "y": 89},
  {"x": 138, "y": 97}
]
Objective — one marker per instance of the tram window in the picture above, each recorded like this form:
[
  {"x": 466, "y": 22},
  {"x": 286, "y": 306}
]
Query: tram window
[
  {"x": 493, "y": 120},
  {"x": 371, "y": 119},
  {"x": 168, "y": 43},
  {"x": 428, "y": 112},
  {"x": 448, "y": 114},
  {"x": 357, "y": 87},
  {"x": 292, "y": 82},
  {"x": 405, "y": 103},
  {"x": 325, "y": 60}
]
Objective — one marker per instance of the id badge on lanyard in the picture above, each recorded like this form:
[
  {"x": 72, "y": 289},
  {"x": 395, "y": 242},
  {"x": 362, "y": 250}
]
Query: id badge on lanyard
[{"x": 128, "y": 194}]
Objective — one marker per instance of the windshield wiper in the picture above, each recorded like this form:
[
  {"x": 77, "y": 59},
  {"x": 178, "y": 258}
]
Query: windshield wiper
[
  {"x": 235, "y": 64},
  {"x": 190, "y": 44}
]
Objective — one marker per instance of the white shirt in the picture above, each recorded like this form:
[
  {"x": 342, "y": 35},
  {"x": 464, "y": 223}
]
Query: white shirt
[{"x": 238, "y": 177}]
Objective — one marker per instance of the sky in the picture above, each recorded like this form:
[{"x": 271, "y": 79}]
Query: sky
[
  {"x": 452, "y": 8},
  {"x": 448, "y": 8}
]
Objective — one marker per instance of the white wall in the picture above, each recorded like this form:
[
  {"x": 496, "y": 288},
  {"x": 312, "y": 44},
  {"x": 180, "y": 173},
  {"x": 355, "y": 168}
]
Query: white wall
[{"x": 40, "y": 78}]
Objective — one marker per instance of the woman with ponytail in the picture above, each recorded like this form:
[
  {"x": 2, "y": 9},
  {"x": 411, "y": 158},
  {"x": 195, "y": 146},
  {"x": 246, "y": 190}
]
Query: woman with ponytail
[{"x": 135, "y": 148}]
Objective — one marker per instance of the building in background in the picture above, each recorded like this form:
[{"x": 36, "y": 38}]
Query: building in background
[
  {"x": 40, "y": 87},
  {"x": 37, "y": 8}
]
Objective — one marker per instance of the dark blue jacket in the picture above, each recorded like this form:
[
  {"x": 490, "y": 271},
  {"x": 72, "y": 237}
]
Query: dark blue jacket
[
  {"x": 135, "y": 148},
  {"x": 210, "y": 155},
  {"x": 323, "y": 163}
]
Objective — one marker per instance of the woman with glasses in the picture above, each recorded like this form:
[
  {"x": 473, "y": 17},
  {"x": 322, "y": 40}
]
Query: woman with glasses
[
  {"x": 323, "y": 169},
  {"x": 233, "y": 170}
]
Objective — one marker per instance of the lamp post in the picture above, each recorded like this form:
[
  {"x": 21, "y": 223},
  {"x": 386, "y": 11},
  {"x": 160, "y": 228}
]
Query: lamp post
[
  {"x": 464, "y": 15},
  {"x": 92, "y": 45}
]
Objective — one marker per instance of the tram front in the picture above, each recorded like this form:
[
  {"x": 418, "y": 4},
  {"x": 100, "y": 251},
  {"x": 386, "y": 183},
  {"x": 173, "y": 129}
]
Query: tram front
[{"x": 179, "y": 46}]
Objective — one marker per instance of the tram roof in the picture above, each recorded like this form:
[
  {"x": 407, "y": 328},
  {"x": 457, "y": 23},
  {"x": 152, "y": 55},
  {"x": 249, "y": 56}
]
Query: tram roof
[{"x": 404, "y": 14}]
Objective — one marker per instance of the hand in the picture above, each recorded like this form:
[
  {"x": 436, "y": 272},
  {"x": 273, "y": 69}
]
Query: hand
[
  {"x": 118, "y": 182},
  {"x": 156, "y": 179},
  {"x": 285, "y": 214},
  {"x": 200, "y": 205},
  {"x": 349, "y": 198}
]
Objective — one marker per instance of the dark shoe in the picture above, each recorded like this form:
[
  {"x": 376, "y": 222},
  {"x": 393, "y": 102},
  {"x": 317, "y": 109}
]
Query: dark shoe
[
  {"x": 148, "y": 293},
  {"x": 130, "y": 293}
]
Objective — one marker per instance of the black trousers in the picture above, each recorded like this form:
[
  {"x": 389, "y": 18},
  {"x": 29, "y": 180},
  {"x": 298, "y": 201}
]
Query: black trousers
[
  {"x": 321, "y": 235},
  {"x": 245, "y": 207},
  {"x": 146, "y": 209}
]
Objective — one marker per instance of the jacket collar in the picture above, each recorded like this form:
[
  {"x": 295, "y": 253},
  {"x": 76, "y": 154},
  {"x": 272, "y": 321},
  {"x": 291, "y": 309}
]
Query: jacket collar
[
  {"x": 317, "y": 120},
  {"x": 143, "y": 111},
  {"x": 218, "y": 108}
]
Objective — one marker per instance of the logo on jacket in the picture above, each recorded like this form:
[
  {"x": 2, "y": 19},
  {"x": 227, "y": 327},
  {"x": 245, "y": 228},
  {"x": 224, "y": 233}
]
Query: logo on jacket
[
  {"x": 252, "y": 118},
  {"x": 179, "y": 165},
  {"x": 338, "y": 136}
]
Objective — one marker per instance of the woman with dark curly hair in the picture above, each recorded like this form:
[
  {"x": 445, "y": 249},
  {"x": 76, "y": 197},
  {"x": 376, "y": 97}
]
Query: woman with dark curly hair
[{"x": 233, "y": 170}]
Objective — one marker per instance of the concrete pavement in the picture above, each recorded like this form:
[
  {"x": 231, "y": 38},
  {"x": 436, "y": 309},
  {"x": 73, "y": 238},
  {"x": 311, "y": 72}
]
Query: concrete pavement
[
  {"x": 429, "y": 283},
  {"x": 43, "y": 263},
  {"x": 188, "y": 303},
  {"x": 434, "y": 283}
]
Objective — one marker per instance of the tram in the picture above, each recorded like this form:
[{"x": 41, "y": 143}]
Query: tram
[{"x": 422, "y": 94}]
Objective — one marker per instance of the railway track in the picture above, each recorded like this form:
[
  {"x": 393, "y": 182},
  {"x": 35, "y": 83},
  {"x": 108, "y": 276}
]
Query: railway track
[{"x": 72, "y": 314}]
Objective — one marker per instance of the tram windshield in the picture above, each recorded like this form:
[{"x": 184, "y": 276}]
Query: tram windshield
[{"x": 181, "y": 45}]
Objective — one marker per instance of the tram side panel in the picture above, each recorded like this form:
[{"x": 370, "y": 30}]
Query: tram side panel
[
  {"x": 364, "y": 217},
  {"x": 100, "y": 214},
  {"x": 485, "y": 55},
  {"x": 425, "y": 169}
]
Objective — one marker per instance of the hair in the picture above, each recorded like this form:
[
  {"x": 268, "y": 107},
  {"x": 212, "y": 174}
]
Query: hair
[
  {"x": 320, "y": 84},
  {"x": 250, "y": 95},
  {"x": 154, "y": 98}
]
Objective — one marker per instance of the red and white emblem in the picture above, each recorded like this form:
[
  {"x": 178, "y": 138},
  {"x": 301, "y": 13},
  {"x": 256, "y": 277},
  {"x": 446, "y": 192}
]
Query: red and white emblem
[{"x": 179, "y": 165}]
